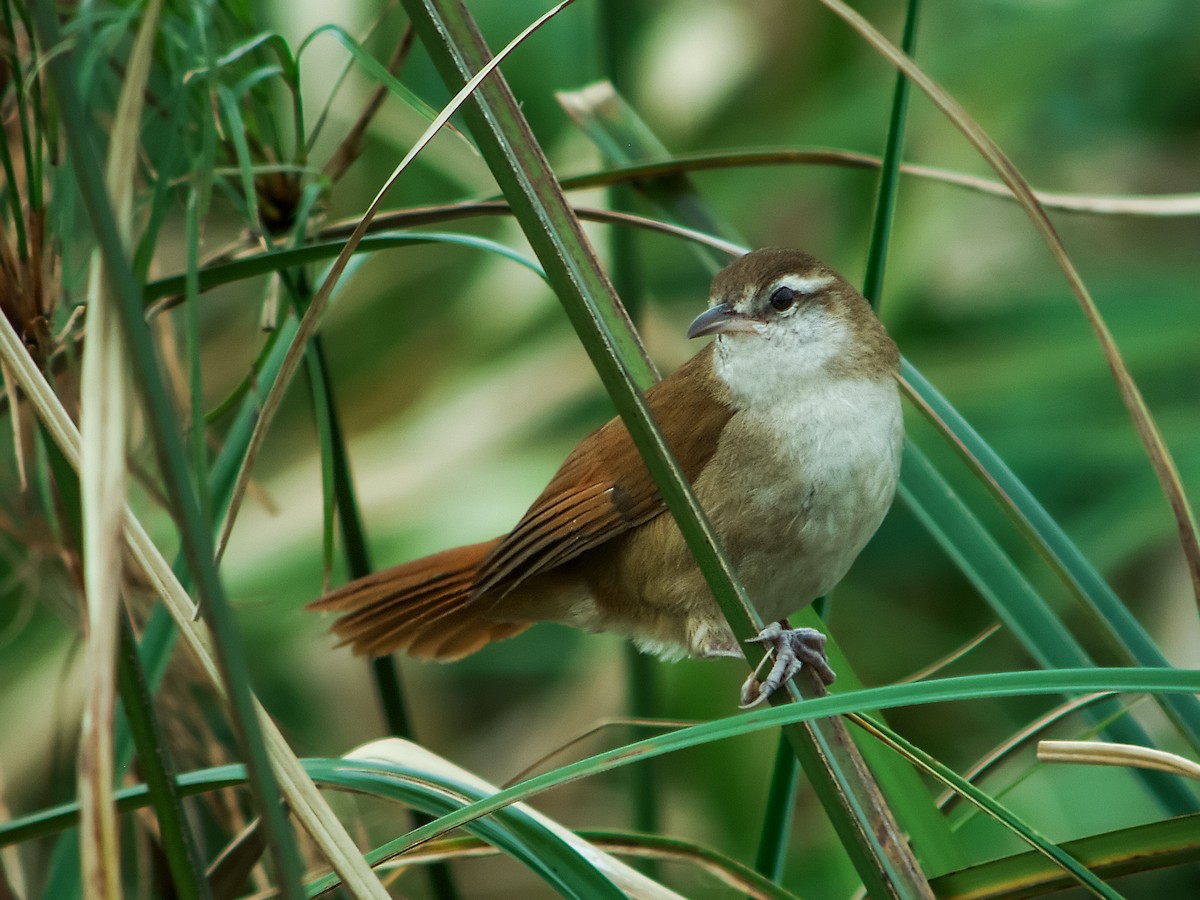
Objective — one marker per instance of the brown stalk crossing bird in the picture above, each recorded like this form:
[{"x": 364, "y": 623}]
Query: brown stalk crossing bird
[{"x": 788, "y": 426}]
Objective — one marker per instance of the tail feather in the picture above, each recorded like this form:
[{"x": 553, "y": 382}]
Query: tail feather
[{"x": 425, "y": 608}]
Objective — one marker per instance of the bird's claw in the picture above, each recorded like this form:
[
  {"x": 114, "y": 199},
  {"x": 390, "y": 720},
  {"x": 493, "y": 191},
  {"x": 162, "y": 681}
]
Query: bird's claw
[{"x": 794, "y": 648}]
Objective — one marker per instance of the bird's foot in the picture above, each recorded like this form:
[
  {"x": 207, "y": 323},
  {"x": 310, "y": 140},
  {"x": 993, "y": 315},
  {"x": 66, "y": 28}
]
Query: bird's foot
[{"x": 794, "y": 648}]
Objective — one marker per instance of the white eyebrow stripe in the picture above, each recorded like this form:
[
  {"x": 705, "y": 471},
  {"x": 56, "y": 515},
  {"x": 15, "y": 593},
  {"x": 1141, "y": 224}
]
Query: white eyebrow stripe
[{"x": 804, "y": 285}]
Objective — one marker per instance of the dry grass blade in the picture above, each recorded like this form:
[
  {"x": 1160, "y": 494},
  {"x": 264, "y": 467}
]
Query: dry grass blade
[
  {"x": 308, "y": 323},
  {"x": 105, "y": 403},
  {"x": 1101, "y": 753},
  {"x": 950, "y": 658},
  {"x": 1154, "y": 205},
  {"x": 1156, "y": 449}
]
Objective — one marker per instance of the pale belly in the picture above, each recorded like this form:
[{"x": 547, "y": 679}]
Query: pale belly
[{"x": 791, "y": 526}]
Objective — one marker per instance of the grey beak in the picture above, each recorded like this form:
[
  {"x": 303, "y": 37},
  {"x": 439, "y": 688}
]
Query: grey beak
[{"x": 721, "y": 319}]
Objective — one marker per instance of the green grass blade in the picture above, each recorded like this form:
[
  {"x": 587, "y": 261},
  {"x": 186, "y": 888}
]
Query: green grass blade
[
  {"x": 995, "y": 685},
  {"x": 278, "y": 260},
  {"x": 175, "y": 834},
  {"x": 889, "y": 171},
  {"x": 777, "y": 816}
]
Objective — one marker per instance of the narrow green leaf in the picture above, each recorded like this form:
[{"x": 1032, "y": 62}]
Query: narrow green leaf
[
  {"x": 995, "y": 685},
  {"x": 777, "y": 817},
  {"x": 889, "y": 172},
  {"x": 175, "y": 834},
  {"x": 271, "y": 261}
]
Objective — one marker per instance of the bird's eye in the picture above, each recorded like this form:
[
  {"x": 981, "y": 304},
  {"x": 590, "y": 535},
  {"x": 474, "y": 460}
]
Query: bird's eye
[{"x": 783, "y": 298}]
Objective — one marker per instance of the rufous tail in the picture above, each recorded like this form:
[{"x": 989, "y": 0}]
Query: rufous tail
[{"x": 424, "y": 608}]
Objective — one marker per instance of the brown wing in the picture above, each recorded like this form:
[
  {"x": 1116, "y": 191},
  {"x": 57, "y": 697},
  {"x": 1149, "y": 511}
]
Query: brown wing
[{"x": 603, "y": 488}]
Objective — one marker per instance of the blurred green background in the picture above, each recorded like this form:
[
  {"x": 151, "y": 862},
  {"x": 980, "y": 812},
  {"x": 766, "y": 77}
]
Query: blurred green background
[{"x": 462, "y": 386}]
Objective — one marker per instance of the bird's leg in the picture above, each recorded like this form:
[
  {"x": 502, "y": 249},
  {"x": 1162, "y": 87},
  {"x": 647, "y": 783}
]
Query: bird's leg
[{"x": 794, "y": 648}]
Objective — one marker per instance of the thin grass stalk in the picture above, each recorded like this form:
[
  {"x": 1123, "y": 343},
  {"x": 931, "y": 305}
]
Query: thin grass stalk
[
  {"x": 168, "y": 443},
  {"x": 192, "y": 350},
  {"x": 104, "y": 417},
  {"x": 638, "y": 845},
  {"x": 889, "y": 170},
  {"x": 776, "y": 829},
  {"x": 175, "y": 834},
  {"x": 358, "y": 561},
  {"x": 617, "y": 24},
  {"x": 1153, "y": 205},
  {"x": 452, "y": 39},
  {"x": 22, "y": 127}
]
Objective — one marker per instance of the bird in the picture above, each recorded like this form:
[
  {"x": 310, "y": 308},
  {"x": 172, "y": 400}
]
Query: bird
[{"x": 788, "y": 426}]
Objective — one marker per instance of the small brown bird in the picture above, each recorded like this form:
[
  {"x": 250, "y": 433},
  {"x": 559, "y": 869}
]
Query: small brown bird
[{"x": 788, "y": 426}]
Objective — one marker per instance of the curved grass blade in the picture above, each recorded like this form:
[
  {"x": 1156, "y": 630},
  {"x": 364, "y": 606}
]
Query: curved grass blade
[
  {"x": 640, "y": 845},
  {"x": 995, "y": 685},
  {"x": 266, "y": 263}
]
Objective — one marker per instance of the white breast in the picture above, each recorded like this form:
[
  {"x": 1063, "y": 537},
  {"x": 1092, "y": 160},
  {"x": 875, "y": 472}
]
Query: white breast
[{"x": 815, "y": 470}]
